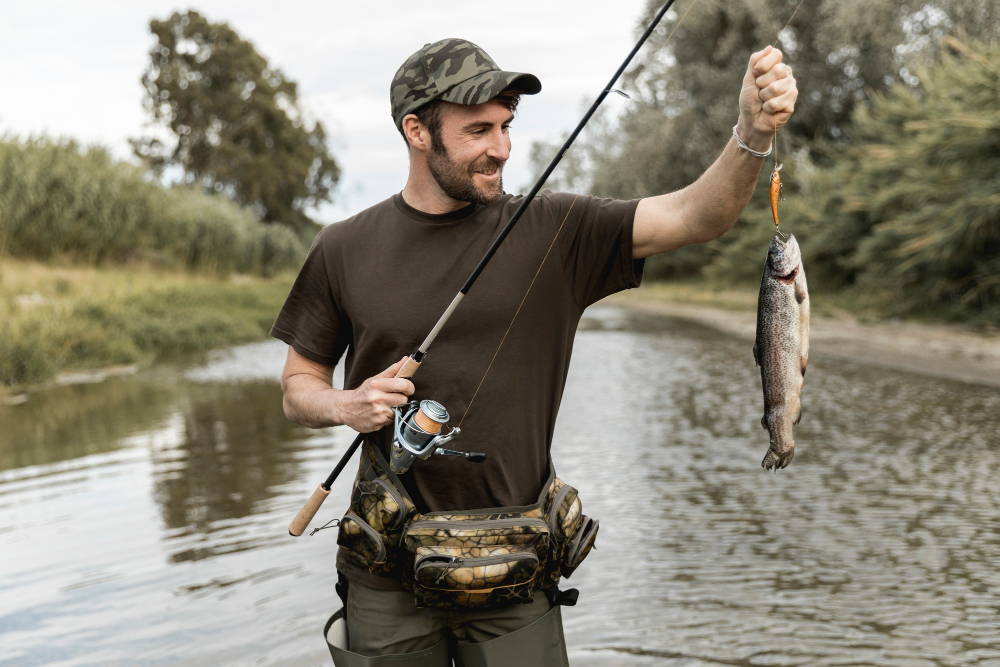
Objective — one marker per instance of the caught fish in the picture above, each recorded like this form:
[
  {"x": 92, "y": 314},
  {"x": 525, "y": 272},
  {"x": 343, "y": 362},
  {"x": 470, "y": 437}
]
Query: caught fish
[
  {"x": 774, "y": 189},
  {"x": 782, "y": 346}
]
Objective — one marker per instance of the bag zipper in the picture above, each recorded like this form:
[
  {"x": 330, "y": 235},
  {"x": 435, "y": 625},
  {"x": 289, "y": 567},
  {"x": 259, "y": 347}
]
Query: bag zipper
[
  {"x": 371, "y": 533},
  {"x": 556, "y": 502},
  {"x": 475, "y": 524},
  {"x": 455, "y": 562},
  {"x": 397, "y": 497}
]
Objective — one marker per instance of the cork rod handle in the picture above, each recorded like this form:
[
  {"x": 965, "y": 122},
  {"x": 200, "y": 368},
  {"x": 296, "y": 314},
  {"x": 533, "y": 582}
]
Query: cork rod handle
[
  {"x": 409, "y": 368},
  {"x": 308, "y": 511}
]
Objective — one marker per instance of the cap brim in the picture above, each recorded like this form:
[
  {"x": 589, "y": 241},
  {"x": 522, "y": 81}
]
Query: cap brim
[{"x": 484, "y": 87}]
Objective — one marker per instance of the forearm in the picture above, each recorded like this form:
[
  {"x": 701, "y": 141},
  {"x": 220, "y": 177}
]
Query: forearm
[
  {"x": 704, "y": 210},
  {"x": 715, "y": 201},
  {"x": 311, "y": 402}
]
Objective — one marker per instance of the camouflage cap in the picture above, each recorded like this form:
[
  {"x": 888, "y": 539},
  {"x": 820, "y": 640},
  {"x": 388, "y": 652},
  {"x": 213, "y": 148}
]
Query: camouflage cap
[{"x": 453, "y": 70}]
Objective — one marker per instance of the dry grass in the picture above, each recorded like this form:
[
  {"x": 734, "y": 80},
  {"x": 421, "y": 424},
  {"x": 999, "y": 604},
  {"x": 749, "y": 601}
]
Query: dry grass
[{"x": 55, "y": 318}]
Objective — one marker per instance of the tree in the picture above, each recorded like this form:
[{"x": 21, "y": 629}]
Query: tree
[
  {"x": 685, "y": 95},
  {"x": 909, "y": 209},
  {"x": 236, "y": 122}
]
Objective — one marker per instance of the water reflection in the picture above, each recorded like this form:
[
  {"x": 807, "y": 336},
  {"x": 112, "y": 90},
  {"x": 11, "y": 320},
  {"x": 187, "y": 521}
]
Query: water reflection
[{"x": 237, "y": 449}]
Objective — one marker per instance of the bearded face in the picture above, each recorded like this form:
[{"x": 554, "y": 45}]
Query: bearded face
[{"x": 458, "y": 179}]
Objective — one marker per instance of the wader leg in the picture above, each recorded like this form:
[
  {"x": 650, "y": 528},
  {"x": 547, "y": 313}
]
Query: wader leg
[
  {"x": 335, "y": 634},
  {"x": 540, "y": 644}
]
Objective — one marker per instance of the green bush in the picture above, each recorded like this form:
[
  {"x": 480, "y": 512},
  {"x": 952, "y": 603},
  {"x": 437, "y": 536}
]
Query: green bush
[
  {"x": 57, "y": 200},
  {"x": 912, "y": 206}
]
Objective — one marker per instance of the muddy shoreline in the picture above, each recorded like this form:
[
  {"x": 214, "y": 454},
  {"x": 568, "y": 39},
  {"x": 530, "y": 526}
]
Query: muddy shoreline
[{"x": 938, "y": 350}]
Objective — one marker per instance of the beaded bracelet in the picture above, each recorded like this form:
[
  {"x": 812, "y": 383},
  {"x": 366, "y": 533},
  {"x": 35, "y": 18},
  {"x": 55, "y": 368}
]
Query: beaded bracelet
[{"x": 739, "y": 142}]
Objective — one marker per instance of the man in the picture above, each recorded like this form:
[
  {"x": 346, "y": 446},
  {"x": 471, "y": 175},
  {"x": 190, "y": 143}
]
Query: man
[{"x": 374, "y": 285}]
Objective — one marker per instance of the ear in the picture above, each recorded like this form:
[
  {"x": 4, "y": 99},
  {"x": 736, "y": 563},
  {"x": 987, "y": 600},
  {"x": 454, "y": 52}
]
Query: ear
[{"x": 415, "y": 133}]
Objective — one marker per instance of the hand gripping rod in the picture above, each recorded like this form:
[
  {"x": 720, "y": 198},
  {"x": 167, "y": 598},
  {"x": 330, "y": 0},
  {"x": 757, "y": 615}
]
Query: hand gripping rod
[{"x": 411, "y": 365}]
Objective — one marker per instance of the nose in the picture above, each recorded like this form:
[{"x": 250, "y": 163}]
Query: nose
[{"x": 499, "y": 147}]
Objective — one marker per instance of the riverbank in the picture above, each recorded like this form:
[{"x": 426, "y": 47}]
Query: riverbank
[
  {"x": 940, "y": 350},
  {"x": 56, "y": 320}
]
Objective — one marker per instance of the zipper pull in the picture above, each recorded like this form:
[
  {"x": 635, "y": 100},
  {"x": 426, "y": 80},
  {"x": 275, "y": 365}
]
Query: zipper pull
[{"x": 447, "y": 570}]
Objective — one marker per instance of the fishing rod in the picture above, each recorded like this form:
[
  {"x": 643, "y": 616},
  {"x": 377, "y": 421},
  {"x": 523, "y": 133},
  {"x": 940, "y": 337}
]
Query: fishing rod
[{"x": 418, "y": 421}]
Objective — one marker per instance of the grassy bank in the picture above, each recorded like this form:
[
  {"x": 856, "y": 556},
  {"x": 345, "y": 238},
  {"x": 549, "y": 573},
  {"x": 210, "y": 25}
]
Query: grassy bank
[{"x": 54, "y": 318}]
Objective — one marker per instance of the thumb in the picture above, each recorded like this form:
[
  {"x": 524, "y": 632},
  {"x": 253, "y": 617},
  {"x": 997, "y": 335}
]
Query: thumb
[{"x": 392, "y": 370}]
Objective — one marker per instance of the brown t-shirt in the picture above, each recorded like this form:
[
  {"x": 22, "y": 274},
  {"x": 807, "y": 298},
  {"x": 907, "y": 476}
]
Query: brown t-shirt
[{"x": 374, "y": 285}]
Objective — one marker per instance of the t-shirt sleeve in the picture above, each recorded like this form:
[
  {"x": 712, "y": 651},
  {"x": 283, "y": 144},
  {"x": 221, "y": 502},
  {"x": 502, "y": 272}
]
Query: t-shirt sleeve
[
  {"x": 596, "y": 245},
  {"x": 311, "y": 321}
]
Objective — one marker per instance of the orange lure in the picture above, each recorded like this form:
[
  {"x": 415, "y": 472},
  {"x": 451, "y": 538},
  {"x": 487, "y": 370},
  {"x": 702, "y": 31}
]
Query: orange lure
[{"x": 775, "y": 191}]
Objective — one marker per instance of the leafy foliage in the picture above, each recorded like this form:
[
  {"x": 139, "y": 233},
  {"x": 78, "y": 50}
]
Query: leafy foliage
[
  {"x": 237, "y": 125},
  {"x": 853, "y": 61},
  {"x": 912, "y": 205},
  {"x": 61, "y": 201}
]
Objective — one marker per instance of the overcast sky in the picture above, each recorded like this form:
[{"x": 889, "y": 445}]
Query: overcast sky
[{"x": 73, "y": 68}]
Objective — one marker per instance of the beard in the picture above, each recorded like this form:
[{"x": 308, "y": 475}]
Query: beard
[{"x": 456, "y": 178}]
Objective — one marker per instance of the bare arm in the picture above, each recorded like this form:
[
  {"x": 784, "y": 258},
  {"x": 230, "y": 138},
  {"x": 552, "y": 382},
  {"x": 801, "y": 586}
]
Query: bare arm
[
  {"x": 707, "y": 208},
  {"x": 310, "y": 399}
]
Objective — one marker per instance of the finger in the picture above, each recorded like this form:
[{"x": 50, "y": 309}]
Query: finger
[
  {"x": 767, "y": 61},
  {"x": 783, "y": 104},
  {"x": 756, "y": 57},
  {"x": 779, "y": 71},
  {"x": 392, "y": 400},
  {"x": 392, "y": 370},
  {"x": 776, "y": 89},
  {"x": 393, "y": 385}
]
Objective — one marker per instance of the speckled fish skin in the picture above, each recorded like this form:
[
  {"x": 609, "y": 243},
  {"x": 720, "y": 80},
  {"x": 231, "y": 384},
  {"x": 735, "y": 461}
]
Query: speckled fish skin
[{"x": 782, "y": 346}]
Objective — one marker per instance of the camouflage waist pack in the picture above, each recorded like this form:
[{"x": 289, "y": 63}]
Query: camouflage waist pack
[{"x": 470, "y": 560}]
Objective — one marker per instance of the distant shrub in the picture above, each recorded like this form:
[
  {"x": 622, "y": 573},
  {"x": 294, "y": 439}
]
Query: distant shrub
[
  {"x": 911, "y": 206},
  {"x": 57, "y": 200}
]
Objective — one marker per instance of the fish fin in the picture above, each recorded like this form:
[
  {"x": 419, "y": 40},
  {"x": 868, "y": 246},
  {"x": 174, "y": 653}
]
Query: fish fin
[
  {"x": 763, "y": 422},
  {"x": 800, "y": 291},
  {"x": 798, "y": 419},
  {"x": 803, "y": 362},
  {"x": 756, "y": 359}
]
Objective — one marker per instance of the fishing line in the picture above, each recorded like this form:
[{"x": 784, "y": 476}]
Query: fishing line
[
  {"x": 523, "y": 299},
  {"x": 628, "y": 99},
  {"x": 610, "y": 133},
  {"x": 786, "y": 24}
]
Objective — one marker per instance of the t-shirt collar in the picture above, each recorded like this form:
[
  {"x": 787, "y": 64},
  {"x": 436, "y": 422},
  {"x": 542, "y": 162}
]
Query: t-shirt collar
[{"x": 433, "y": 218}]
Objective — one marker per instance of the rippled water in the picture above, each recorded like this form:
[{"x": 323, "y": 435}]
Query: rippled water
[{"x": 143, "y": 519}]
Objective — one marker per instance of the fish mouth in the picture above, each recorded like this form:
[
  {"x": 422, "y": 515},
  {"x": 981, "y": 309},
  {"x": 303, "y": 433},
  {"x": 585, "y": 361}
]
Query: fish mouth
[{"x": 789, "y": 278}]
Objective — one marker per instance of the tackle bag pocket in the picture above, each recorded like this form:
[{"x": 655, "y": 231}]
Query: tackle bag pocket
[
  {"x": 475, "y": 531},
  {"x": 565, "y": 511},
  {"x": 380, "y": 504},
  {"x": 362, "y": 542},
  {"x": 579, "y": 546},
  {"x": 474, "y": 577}
]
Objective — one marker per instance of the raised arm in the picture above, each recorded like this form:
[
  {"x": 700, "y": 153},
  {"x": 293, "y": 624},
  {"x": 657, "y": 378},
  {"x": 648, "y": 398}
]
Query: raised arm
[
  {"x": 310, "y": 399},
  {"x": 707, "y": 208}
]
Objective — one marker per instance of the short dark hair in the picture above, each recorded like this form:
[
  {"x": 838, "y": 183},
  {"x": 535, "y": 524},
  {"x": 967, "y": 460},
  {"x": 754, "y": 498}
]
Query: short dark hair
[{"x": 430, "y": 116}]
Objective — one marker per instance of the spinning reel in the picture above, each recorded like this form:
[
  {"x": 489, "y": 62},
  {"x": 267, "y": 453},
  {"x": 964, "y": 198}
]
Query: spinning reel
[{"x": 418, "y": 435}]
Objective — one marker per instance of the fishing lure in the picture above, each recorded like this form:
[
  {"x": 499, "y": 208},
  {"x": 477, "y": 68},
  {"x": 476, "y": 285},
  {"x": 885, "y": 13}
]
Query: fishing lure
[{"x": 775, "y": 190}]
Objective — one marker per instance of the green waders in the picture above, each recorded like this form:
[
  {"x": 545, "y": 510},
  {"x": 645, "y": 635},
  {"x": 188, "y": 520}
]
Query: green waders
[{"x": 538, "y": 644}]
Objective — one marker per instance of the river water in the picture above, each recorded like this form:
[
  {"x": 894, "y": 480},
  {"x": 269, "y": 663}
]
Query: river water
[{"x": 143, "y": 518}]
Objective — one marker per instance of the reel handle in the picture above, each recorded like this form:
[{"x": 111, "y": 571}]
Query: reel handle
[{"x": 471, "y": 457}]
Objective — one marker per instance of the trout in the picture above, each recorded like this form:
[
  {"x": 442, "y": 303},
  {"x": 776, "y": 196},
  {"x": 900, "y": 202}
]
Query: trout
[{"x": 782, "y": 346}]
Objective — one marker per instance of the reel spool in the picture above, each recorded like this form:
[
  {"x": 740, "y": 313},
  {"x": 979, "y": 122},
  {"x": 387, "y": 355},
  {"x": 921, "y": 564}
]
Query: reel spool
[{"x": 418, "y": 435}]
